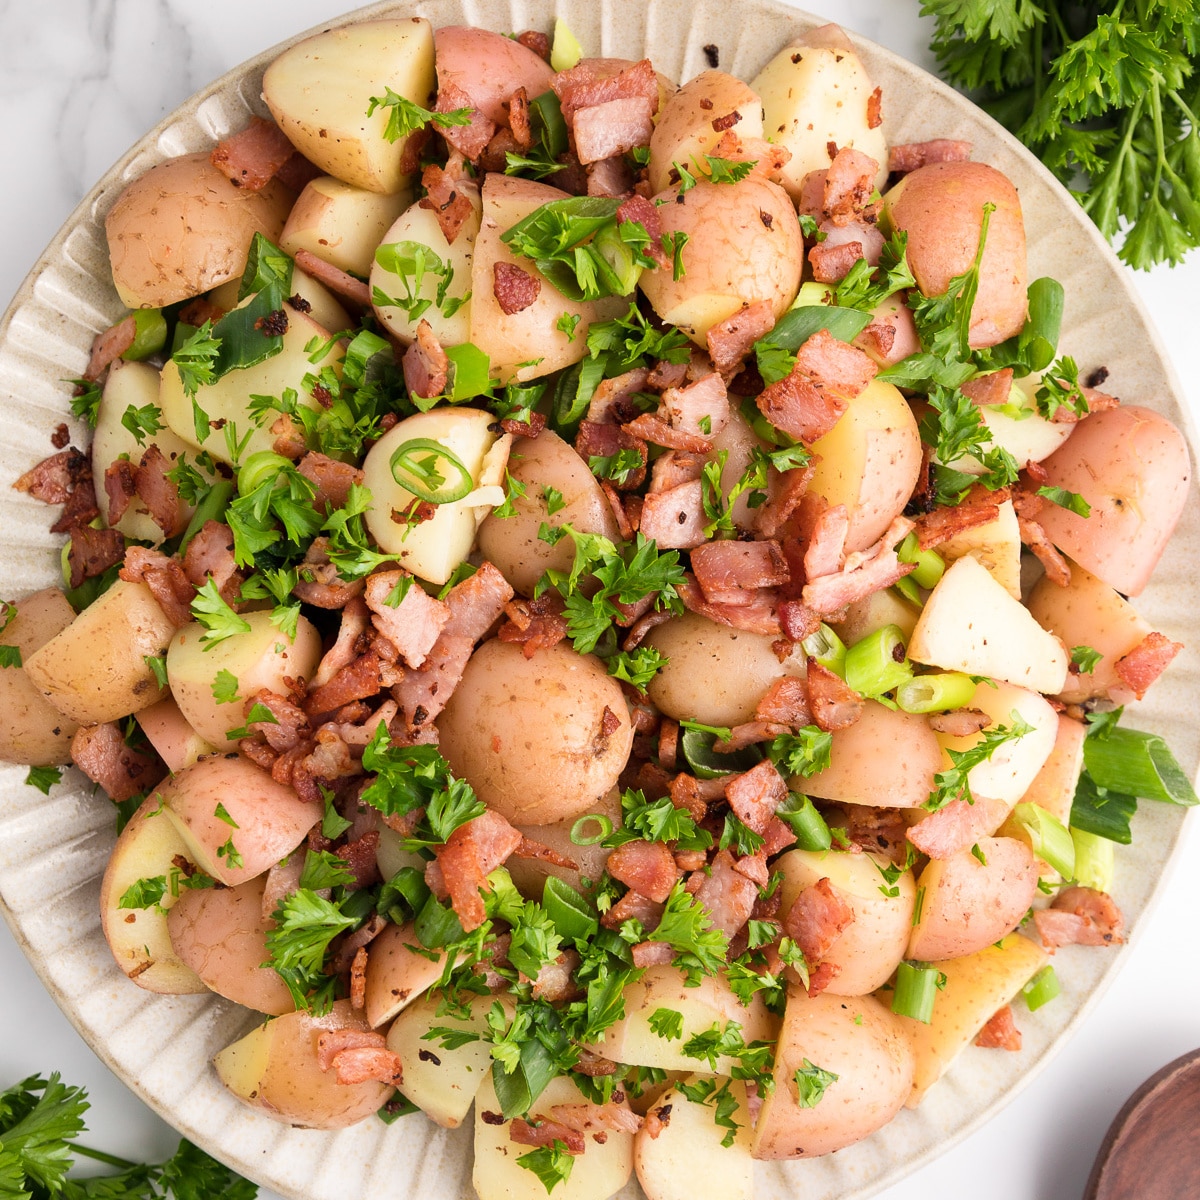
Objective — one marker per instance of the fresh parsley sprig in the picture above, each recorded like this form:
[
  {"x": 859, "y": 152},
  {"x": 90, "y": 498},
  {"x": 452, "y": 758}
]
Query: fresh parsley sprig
[{"x": 404, "y": 117}]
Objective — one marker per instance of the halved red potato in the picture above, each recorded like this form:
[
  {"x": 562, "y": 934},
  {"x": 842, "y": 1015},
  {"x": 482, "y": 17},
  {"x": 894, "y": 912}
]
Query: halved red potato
[
  {"x": 1132, "y": 467},
  {"x": 168, "y": 731},
  {"x": 940, "y": 207},
  {"x": 489, "y": 67},
  {"x": 396, "y": 973}
]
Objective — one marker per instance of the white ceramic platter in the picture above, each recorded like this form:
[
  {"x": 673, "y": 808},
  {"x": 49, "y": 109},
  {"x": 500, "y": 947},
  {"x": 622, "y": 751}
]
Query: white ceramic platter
[{"x": 52, "y": 851}]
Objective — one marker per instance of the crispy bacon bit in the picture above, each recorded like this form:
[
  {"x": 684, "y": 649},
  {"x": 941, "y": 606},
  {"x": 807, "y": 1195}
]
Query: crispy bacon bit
[
  {"x": 826, "y": 540},
  {"x": 597, "y": 439},
  {"x": 538, "y": 42},
  {"x": 849, "y": 183},
  {"x": 120, "y": 485},
  {"x": 93, "y": 551},
  {"x": 357, "y": 1062},
  {"x": 759, "y": 616},
  {"x": 875, "y": 109},
  {"x": 446, "y": 197},
  {"x": 1080, "y": 916},
  {"x": 346, "y": 286},
  {"x": 653, "y": 429},
  {"x": 1000, "y": 1032},
  {"x": 1034, "y": 536},
  {"x": 675, "y": 518},
  {"x": 1146, "y": 662},
  {"x": 100, "y": 752},
  {"x": 290, "y": 726},
  {"x": 612, "y": 177},
  {"x": 358, "y": 979},
  {"x": 253, "y": 157},
  {"x": 785, "y": 495},
  {"x": 210, "y": 556},
  {"x": 415, "y": 623},
  {"x": 864, "y": 572},
  {"x": 827, "y": 375},
  {"x": 877, "y": 829},
  {"x": 700, "y": 410},
  {"x": 53, "y": 479},
  {"x": 961, "y": 723},
  {"x": 515, "y": 289},
  {"x": 584, "y": 87},
  {"x": 730, "y": 340},
  {"x": 646, "y": 867},
  {"x": 796, "y": 621},
  {"x": 469, "y": 140},
  {"x": 108, "y": 346},
  {"x": 160, "y": 494},
  {"x": 274, "y": 324},
  {"x": 992, "y": 388},
  {"x": 835, "y": 705},
  {"x": 638, "y": 208},
  {"x": 534, "y": 624},
  {"x": 732, "y": 572},
  {"x": 767, "y": 159},
  {"x": 332, "y": 479},
  {"x": 166, "y": 580},
  {"x": 633, "y": 906},
  {"x": 978, "y": 507},
  {"x": 472, "y": 852},
  {"x": 816, "y": 919},
  {"x": 542, "y": 1132},
  {"x": 785, "y": 702},
  {"x": 426, "y": 367},
  {"x": 319, "y": 583},
  {"x": 821, "y": 976},
  {"x": 610, "y": 400},
  {"x": 726, "y": 894},
  {"x": 831, "y": 263},
  {"x": 288, "y": 437},
  {"x": 613, "y": 127},
  {"x": 518, "y": 118},
  {"x": 911, "y": 155},
  {"x": 358, "y": 679},
  {"x": 755, "y": 795},
  {"x": 589, "y": 1118}
]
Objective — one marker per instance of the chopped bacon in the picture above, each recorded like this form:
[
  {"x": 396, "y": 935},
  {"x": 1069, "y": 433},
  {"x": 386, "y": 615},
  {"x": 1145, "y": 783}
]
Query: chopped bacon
[
  {"x": 978, "y": 507},
  {"x": 877, "y": 829},
  {"x": 756, "y": 794},
  {"x": 1096, "y": 401},
  {"x": 589, "y": 1118},
  {"x": 320, "y": 584},
  {"x": 835, "y": 705},
  {"x": 732, "y": 572},
  {"x": 332, "y": 1042},
  {"x": 759, "y": 616},
  {"x": 749, "y": 733},
  {"x": 534, "y": 624},
  {"x": 120, "y": 485},
  {"x": 93, "y": 551},
  {"x": 538, "y": 42},
  {"x": 357, "y": 1062},
  {"x": 864, "y": 572},
  {"x": 673, "y": 468},
  {"x": 584, "y": 87},
  {"x": 1145, "y": 662},
  {"x": 477, "y": 602},
  {"x": 469, "y": 140},
  {"x": 831, "y": 262},
  {"x": 827, "y": 375},
  {"x": 597, "y": 439},
  {"x": 633, "y": 906},
  {"x": 821, "y": 976},
  {"x": 877, "y": 339},
  {"x": 447, "y": 198},
  {"x": 473, "y": 851},
  {"x": 865, "y": 234},
  {"x": 730, "y": 340},
  {"x": 108, "y": 346},
  {"x": 646, "y": 867},
  {"x": 253, "y": 157},
  {"x": 1000, "y": 1032},
  {"x": 287, "y": 435},
  {"x": 160, "y": 494},
  {"x": 675, "y": 518},
  {"x": 209, "y": 555},
  {"x": 656, "y": 431},
  {"x": 701, "y": 409},
  {"x": 1058, "y": 570},
  {"x": 332, "y": 479},
  {"x": 816, "y": 919},
  {"x": 961, "y": 723},
  {"x": 944, "y": 833},
  {"x": 766, "y": 159},
  {"x": 786, "y": 492},
  {"x": 515, "y": 289},
  {"x": 413, "y": 624},
  {"x": 796, "y": 621},
  {"x": 1080, "y": 916},
  {"x": 826, "y": 541},
  {"x": 685, "y": 793},
  {"x": 612, "y": 177},
  {"x": 519, "y": 120},
  {"x": 992, "y": 388},
  {"x": 54, "y": 479},
  {"x": 607, "y": 400},
  {"x": 358, "y": 979},
  {"x": 911, "y": 155},
  {"x": 726, "y": 894},
  {"x": 344, "y": 285},
  {"x": 875, "y": 109},
  {"x": 613, "y": 127},
  {"x": 358, "y": 679},
  {"x": 290, "y": 726},
  {"x": 166, "y": 580},
  {"x": 297, "y": 173},
  {"x": 354, "y": 624},
  {"x": 667, "y": 374},
  {"x": 639, "y": 209},
  {"x": 426, "y": 367},
  {"x": 785, "y": 702},
  {"x": 849, "y": 183},
  {"x": 100, "y": 752},
  {"x": 331, "y": 760},
  {"x": 541, "y": 1132},
  {"x": 542, "y": 853}
]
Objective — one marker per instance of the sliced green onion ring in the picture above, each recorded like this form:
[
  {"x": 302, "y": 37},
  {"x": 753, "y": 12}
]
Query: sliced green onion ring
[
  {"x": 827, "y": 648},
  {"x": 1094, "y": 857},
  {"x": 1137, "y": 764},
  {"x": 1041, "y": 989},
  {"x": 940, "y": 691},
  {"x": 258, "y": 468},
  {"x": 422, "y": 477},
  {"x": 806, "y": 822},
  {"x": 1048, "y": 836},
  {"x": 930, "y": 565},
  {"x": 577, "y": 835},
  {"x": 916, "y": 990},
  {"x": 150, "y": 334},
  {"x": 872, "y": 667}
]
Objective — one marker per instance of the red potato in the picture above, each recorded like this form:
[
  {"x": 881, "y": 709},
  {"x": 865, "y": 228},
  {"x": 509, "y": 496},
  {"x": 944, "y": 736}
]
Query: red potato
[
  {"x": 221, "y": 935},
  {"x": 940, "y": 207},
  {"x": 168, "y": 731},
  {"x": 396, "y": 974},
  {"x": 489, "y": 67},
  {"x": 1132, "y": 466}
]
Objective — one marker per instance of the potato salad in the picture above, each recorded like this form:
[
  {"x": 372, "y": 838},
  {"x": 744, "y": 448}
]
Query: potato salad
[{"x": 602, "y": 606}]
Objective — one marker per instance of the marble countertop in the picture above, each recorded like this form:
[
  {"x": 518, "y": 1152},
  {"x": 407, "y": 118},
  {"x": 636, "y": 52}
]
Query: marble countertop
[{"x": 80, "y": 80}]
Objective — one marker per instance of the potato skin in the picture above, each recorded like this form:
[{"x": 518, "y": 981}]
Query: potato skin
[
  {"x": 32, "y": 730},
  {"x": 183, "y": 228},
  {"x": 940, "y": 206},
  {"x": 525, "y": 732},
  {"x": 490, "y": 65}
]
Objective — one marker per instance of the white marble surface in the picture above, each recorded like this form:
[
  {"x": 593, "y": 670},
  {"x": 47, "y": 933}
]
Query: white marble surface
[{"x": 80, "y": 80}]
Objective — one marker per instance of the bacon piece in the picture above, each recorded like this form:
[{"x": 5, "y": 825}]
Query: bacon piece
[
  {"x": 653, "y": 429},
  {"x": 608, "y": 402},
  {"x": 330, "y": 760},
  {"x": 332, "y": 479},
  {"x": 519, "y": 120},
  {"x": 93, "y": 551},
  {"x": 640, "y": 209},
  {"x": 472, "y": 852},
  {"x": 992, "y": 388},
  {"x": 821, "y": 976},
  {"x": 732, "y": 572},
  {"x": 209, "y": 555},
  {"x": 1145, "y": 662},
  {"x": 358, "y": 679},
  {"x": 816, "y": 919},
  {"x": 701, "y": 409},
  {"x": 515, "y": 289},
  {"x": 355, "y": 621},
  {"x": 166, "y": 580},
  {"x": 601, "y": 440},
  {"x": 675, "y": 518},
  {"x": 910, "y": 155},
  {"x": 633, "y": 906},
  {"x": 785, "y": 493},
  {"x": 108, "y": 346},
  {"x": 831, "y": 261},
  {"x": 426, "y": 367},
  {"x": 358, "y": 1061},
  {"x": 1000, "y": 1032},
  {"x": 868, "y": 237},
  {"x": 584, "y": 87},
  {"x": 864, "y": 572},
  {"x": 646, "y": 867},
  {"x": 447, "y": 198},
  {"x": 160, "y": 494},
  {"x": 978, "y": 507},
  {"x": 590, "y": 1118},
  {"x": 336, "y": 280},
  {"x": 358, "y": 979},
  {"x": 827, "y": 375},
  {"x": 413, "y": 625},
  {"x": 826, "y": 542},
  {"x": 875, "y": 109},
  {"x": 759, "y": 616},
  {"x": 673, "y": 468},
  {"x": 767, "y": 159},
  {"x": 756, "y": 794},
  {"x": 251, "y": 158},
  {"x": 877, "y": 829},
  {"x": 100, "y": 752},
  {"x": 1080, "y": 916},
  {"x": 785, "y": 702},
  {"x": 726, "y": 894},
  {"x": 534, "y": 624},
  {"x": 53, "y": 479},
  {"x": 542, "y": 1132},
  {"x": 613, "y": 127},
  {"x": 469, "y": 140},
  {"x": 944, "y": 833},
  {"x": 120, "y": 485},
  {"x": 612, "y": 177},
  {"x": 1058, "y": 570},
  {"x": 730, "y": 340},
  {"x": 835, "y": 705},
  {"x": 749, "y": 733},
  {"x": 290, "y": 726},
  {"x": 538, "y": 42},
  {"x": 849, "y": 182}
]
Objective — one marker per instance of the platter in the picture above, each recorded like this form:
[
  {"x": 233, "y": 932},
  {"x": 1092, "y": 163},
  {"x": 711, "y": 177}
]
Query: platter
[{"x": 52, "y": 851}]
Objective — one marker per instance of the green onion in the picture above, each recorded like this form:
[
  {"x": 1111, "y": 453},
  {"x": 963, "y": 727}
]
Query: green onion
[
  {"x": 470, "y": 372},
  {"x": 1048, "y": 836},
  {"x": 258, "y": 468},
  {"x": 1137, "y": 764},
  {"x": 1041, "y": 989},
  {"x": 215, "y": 502},
  {"x": 617, "y": 256},
  {"x": 150, "y": 334},
  {"x": 916, "y": 990},
  {"x": 565, "y": 51},
  {"x": 578, "y": 837},
  {"x": 553, "y": 124},
  {"x": 930, "y": 565},
  {"x": 872, "y": 666},
  {"x": 571, "y": 913},
  {"x": 827, "y": 648},
  {"x": 421, "y": 475},
  {"x": 805, "y": 820},
  {"x": 1093, "y": 860},
  {"x": 909, "y": 591},
  {"x": 936, "y": 692},
  {"x": 696, "y": 746}
]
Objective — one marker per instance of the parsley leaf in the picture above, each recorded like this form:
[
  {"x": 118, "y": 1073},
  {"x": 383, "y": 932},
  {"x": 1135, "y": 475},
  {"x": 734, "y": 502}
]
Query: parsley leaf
[
  {"x": 811, "y": 1083},
  {"x": 952, "y": 784},
  {"x": 687, "y": 928},
  {"x": 405, "y": 117},
  {"x": 211, "y": 611},
  {"x": 43, "y": 778},
  {"x": 1085, "y": 659},
  {"x": 551, "y": 1164},
  {"x": 142, "y": 422}
]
